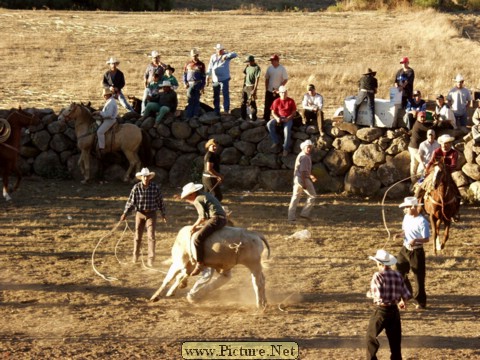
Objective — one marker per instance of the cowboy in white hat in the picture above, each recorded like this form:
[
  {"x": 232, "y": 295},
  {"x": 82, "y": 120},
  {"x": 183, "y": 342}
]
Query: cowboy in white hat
[
  {"x": 211, "y": 217},
  {"x": 303, "y": 182},
  {"x": 459, "y": 99},
  {"x": 146, "y": 199},
  {"x": 154, "y": 67},
  {"x": 163, "y": 103},
  {"x": 368, "y": 86},
  {"x": 194, "y": 76},
  {"x": 389, "y": 293},
  {"x": 416, "y": 232},
  {"x": 219, "y": 70},
  {"x": 108, "y": 117},
  {"x": 445, "y": 152},
  {"x": 114, "y": 80}
]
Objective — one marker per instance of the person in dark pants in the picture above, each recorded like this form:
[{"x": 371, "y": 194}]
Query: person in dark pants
[
  {"x": 416, "y": 232},
  {"x": 249, "y": 93},
  {"x": 275, "y": 76},
  {"x": 211, "y": 170},
  {"x": 404, "y": 79},
  {"x": 389, "y": 292},
  {"x": 146, "y": 199},
  {"x": 194, "y": 78},
  {"x": 210, "y": 214},
  {"x": 368, "y": 86}
]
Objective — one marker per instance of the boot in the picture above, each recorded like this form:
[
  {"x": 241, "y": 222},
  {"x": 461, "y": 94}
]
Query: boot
[
  {"x": 199, "y": 267},
  {"x": 468, "y": 137}
]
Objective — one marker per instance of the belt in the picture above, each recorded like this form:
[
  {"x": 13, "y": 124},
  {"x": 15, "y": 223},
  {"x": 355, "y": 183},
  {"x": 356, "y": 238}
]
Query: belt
[
  {"x": 411, "y": 248},
  {"x": 220, "y": 216},
  {"x": 146, "y": 211},
  {"x": 193, "y": 82},
  {"x": 386, "y": 306},
  {"x": 369, "y": 91}
]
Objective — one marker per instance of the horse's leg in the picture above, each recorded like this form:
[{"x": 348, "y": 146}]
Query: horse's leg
[
  {"x": 18, "y": 174},
  {"x": 5, "y": 185},
  {"x": 258, "y": 281},
  {"x": 446, "y": 233},
  {"x": 172, "y": 272},
  {"x": 134, "y": 162},
  {"x": 85, "y": 159},
  {"x": 433, "y": 226}
]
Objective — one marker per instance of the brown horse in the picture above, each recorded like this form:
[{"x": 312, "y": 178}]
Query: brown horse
[
  {"x": 441, "y": 202},
  {"x": 128, "y": 138},
  {"x": 9, "y": 149}
]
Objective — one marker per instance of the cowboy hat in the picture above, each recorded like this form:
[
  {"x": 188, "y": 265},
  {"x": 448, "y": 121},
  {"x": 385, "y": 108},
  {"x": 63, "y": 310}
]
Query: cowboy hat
[
  {"x": 154, "y": 54},
  {"x": 168, "y": 67},
  {"x": 306, "y": 143},
  {"x": 409, "y": 201},
  {"x": 106, "y": 91},
  {"x": 219, "y": 47},
  {"x": 459, "y": 78},
  {"x": 211, "y": 142},
  {"x": 194, "y": 52},
  {"x": 190, "y": 188},
  {"x": 166, "y": 83},
  {"x": 445, "y": 138},
  {"x": 145, "y": 172},
  {"x": 282, "y": 89},
  {"x": 112, "y": 60},
  {"x": 384, "y": 258},
  {"x": 370, "y": 71}
]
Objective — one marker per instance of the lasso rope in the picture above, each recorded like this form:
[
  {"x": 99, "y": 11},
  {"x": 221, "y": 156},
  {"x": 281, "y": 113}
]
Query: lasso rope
[
  {"x": 104, "y": 277},
  {"x": 383, "y": 209}
]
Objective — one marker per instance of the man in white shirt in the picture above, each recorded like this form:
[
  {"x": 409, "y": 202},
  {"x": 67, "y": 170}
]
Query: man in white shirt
[
  {"x": 109, "y": 117},
  {"x": 312, "y": 104},
  {"x": 425, "y": 151},
  {"x": 444, "y": 115},
  {"x": 459, "y": 100},
  {"x": 275, "y": 77}
]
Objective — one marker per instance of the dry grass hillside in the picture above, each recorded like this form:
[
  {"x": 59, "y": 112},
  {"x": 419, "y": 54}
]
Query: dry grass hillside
[{"x": 52, "y": 58}]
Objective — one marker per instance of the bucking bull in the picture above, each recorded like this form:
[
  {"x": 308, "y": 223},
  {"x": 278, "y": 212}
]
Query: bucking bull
[{"x": 224, "y": 249}]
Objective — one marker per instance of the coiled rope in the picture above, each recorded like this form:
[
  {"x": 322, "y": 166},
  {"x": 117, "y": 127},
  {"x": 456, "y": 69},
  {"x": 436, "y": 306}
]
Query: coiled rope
[
  {"x": 5, "y": 130},
  {"x": 104, "y": 277}
]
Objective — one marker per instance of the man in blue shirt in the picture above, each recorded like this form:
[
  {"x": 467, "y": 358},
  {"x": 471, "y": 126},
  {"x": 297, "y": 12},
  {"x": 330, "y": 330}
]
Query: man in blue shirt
[{"x": 219, "y": 70}]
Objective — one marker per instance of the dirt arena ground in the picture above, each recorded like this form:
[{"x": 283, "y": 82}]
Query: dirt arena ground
[{"x": 53, "y": 305}]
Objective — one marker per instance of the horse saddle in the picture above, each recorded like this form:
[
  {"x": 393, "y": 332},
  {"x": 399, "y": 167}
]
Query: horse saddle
[{"x": 5, "y": 130}]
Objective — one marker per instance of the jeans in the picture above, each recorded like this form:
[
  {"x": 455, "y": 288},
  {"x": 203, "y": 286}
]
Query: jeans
[
  {"x": 154, "y": 107},
  {"x": 297, "y": 193},
  {"x": 370, "y": 96},
  {"x": 387, "y": 318},
  {"x": 269, "y": 98},
  {"x": 193, "y": 96},
  {"x": 461, "y": 120},
  {"x": 124, "y": 102},
  {"x": 224, "y": 87},
  {"x": 142, "y": 219},
  {"x": 287, "y": 131},
  {"x": 209, "y": 183},
  {"x": 413, "y": 260},
  {"x": 209, "y": 227},
  {"x": 248, "y": 101}
]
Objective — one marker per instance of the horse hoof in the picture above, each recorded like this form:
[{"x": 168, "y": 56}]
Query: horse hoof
[{"x": 154, "y": 299}]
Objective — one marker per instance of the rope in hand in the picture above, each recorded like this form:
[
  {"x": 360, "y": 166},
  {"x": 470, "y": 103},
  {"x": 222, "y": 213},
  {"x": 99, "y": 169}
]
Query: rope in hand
[{"x": 104, "y": 277}]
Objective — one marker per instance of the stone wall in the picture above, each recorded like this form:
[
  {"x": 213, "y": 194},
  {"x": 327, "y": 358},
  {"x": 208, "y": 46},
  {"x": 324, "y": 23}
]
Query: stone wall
[{"x": 359, "y": 161}]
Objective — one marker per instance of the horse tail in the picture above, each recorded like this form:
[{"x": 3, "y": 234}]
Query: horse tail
[{"x": 144, "y": 152}]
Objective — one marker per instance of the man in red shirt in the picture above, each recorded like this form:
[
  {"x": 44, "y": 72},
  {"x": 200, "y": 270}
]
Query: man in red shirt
[
  {"x": 445, "y": 151},
  {"x": 283, "y": 112}
]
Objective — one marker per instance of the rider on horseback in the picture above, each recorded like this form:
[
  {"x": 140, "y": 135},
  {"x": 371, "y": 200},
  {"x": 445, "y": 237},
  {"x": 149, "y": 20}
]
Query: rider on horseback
[
  {"x": 449, "y": 156},
  {"x": 109, "y": 118}
]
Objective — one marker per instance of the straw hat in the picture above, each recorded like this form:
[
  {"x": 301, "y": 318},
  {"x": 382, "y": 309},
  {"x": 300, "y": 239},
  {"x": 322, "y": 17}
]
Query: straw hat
[
  {"x": 306, "y": 143},
  {"x": 445, "y": 138},
  {"x": 409, "y": 201},
  {"x": 154, "y": 54},
  {"x": 145, "y": 172},
  {"x": 190, "y": 188},
  {"x": 194, "y": 52},
  {"x": 106, "y": 91},
  {"x": 112, "y": 60},
  {"x": 459, "y": 78},
  {"x": 384, "y": 258},
  {"x": 210, "y": 143},
  {"x": 282, "y": 89},
  {"x": 219, "y": 47}
]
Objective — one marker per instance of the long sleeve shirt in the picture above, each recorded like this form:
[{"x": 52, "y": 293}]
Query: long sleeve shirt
[
  {"x": 450, "y": 158},
  {"x": 115, "y": 79},
  {"x": 219, "y": 66},
  {"x": 194, "y": 72},
  {"x": 145, "y": 199},
  {"x": 208, "y": 206},
  {"x": 388, "y": 288},
  {"x": 110, "y": 109}
]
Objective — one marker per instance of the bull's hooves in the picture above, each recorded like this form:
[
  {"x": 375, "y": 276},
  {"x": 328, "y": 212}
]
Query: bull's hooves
[{"x": 154, "y": 299}]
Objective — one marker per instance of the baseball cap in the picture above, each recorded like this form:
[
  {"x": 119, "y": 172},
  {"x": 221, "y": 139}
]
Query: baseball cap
[
  {"x": 440, "y": 96},
  {"x": 249, "y": 58},
  {"x": 282, "y": 89},
  {"x": 417, "y": 92},
  {"x": 404, "y": 60},
  {"x": 430, "y": 131},
  {"x": 274, "y": 57}
]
